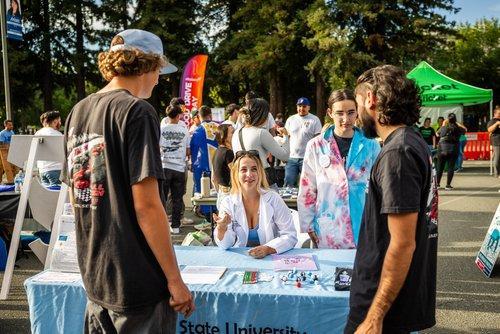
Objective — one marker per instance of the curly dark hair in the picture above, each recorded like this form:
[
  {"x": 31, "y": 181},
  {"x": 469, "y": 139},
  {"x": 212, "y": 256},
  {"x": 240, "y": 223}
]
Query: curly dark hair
[{"x": 398, "y": 98}]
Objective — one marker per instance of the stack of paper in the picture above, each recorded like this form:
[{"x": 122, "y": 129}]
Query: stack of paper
[{"x": 202, "y": 274}]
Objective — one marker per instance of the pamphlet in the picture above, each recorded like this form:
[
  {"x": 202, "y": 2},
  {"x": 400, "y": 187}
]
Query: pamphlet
[
  {"x": 64, "y": 257},
  {"x": 291, "y": 262},
  {"x": 57, "y": 276},
  {"x": 202, "y": 274}
]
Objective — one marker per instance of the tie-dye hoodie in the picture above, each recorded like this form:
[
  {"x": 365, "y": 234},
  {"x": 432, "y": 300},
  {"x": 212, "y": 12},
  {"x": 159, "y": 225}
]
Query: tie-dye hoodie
[{"x": 331, "y": 198}]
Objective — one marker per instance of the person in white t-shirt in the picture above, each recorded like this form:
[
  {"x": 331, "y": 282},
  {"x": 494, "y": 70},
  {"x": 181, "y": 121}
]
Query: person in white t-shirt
[
  {"x": 174, "y": 147},
  {"x": 49, "y": 171},
  {"x": 302, "y": 127},
  {"x": 233, "y": 111}
]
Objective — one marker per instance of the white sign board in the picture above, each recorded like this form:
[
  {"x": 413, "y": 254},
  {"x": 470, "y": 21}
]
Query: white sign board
[{"x": 488, "y": 254}]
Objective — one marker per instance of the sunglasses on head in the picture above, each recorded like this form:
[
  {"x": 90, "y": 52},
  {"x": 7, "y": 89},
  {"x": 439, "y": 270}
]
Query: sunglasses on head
[{"x": 242, "y": 153}]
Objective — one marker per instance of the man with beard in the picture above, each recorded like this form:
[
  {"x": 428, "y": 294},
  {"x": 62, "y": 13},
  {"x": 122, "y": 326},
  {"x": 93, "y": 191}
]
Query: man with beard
[{"x": 394, "y": 279}]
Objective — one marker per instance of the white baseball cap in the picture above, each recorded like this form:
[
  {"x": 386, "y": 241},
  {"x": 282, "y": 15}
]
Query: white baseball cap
[{"x": 146, "y": 42}]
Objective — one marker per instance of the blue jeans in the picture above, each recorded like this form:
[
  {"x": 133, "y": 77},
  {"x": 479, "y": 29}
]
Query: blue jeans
[
  {"x": 51, "y": 178},
  {"x": 460, "y": 158},
  {"x": 293, "y": 169}
]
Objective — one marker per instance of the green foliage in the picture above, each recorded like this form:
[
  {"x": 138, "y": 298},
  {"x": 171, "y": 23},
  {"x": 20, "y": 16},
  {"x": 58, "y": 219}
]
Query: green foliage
[
  {"x": 282, "y": 49},
  {"x": 474, "y": 56}
]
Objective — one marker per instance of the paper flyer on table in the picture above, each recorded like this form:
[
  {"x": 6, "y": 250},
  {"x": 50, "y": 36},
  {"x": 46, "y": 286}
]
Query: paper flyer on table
[
  {"x": 57, "y": 276},
  {"x": 64, "y": 256},
  {"x": 290, "y": 262},
  {"x": 202, "y": 274}
]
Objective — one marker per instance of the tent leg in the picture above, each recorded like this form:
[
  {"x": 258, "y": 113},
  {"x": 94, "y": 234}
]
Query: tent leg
[{"x": 491, "y": 152}]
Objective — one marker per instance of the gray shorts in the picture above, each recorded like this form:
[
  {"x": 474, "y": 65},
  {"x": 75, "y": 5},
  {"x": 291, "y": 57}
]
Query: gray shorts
[{"x": 159, "y": 318}]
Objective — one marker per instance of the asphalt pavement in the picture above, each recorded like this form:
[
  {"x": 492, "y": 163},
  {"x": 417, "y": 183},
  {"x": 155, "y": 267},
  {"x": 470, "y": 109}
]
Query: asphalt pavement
[{"x": 467, "y": 301}]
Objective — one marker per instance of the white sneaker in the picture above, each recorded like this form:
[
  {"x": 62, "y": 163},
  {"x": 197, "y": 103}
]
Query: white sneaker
[{"x": 175, "y": 230}]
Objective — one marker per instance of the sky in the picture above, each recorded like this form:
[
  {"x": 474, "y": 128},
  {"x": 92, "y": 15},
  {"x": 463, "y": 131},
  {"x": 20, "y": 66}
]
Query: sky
[{"x": 473, "y": 10}]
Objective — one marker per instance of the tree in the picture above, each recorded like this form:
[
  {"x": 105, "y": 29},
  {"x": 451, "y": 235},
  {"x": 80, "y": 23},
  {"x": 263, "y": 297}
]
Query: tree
[
  {"x": 270, "y": 36},
  {"x": 176, "y": 24},
  {"x": 474, "y": 56}
]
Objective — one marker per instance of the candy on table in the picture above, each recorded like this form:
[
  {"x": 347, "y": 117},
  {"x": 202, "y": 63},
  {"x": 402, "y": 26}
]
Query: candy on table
[
  {"x": 298, "y": 285},
  {"x": 284, "y": 278}
]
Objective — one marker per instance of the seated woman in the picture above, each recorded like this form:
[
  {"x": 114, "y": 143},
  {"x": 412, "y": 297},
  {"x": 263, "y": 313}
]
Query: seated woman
[
  {"x": 252, "y": 215},
  {"x": 335, "y": 176}
]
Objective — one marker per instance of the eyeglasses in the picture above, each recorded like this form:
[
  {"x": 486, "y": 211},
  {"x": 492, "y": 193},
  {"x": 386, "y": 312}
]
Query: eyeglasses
[
  {"x": 349, "y": 114},
  {"x": 242, "y": 153}
]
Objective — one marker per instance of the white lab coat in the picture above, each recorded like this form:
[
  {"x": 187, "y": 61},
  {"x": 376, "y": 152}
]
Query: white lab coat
[{"x": 276, "y": 228}]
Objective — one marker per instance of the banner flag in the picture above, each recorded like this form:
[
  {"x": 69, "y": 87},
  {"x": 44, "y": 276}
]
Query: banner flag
[
  {"x": 191, "y": 88},
  {"x": 14, "y": 20}
]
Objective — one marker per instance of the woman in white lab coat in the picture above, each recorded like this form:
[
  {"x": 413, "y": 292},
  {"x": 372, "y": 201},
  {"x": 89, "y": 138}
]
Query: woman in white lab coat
[{"x": 252, "y": 215}]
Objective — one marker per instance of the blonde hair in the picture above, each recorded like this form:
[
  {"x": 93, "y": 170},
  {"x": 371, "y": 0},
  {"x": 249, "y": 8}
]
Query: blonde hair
[
  {"x": 127, "y": 62},
  {"x": 235, "y": 169}
]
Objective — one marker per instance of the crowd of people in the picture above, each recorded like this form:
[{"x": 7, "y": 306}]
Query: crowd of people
[{"x": 123, "y": 164}]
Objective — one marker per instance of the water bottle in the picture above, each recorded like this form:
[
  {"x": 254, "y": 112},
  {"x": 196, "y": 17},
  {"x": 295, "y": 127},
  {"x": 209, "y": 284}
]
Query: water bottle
[
  {"x": 205, "y": 184},
  {"x": 18, "y": 182}
]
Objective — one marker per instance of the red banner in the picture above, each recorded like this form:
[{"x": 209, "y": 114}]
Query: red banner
[{"x": 191, "y": 88}]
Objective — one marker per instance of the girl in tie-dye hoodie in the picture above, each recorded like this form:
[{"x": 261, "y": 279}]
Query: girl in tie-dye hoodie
[{"x": 335, "y": 177}]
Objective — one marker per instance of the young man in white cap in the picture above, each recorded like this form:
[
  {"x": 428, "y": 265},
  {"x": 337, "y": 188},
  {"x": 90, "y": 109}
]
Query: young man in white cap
[
  {"x": 302, "y": 127},
  {"x": 113, "y": 169}
]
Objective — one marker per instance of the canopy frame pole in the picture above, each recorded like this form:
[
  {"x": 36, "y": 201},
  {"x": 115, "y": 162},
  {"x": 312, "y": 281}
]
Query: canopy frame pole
[
  {"x": 3, "y": 29},
  {"x": 491, "y": 151}
]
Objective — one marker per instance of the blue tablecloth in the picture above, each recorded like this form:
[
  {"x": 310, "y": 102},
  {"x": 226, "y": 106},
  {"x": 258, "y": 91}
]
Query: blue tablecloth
[{"x": 229, "y": 305}]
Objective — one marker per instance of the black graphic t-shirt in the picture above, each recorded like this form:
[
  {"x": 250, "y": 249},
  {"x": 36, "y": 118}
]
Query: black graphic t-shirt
[
  {"x": 344, "y": 144},
  {"x": 402, "y": 181},
  {"x": 427, "y": 134},
  {"x": 111, "y": 143}
]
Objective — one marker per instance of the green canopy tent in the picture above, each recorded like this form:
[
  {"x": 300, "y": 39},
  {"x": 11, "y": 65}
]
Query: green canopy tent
[{"x": 439, "y": 90}]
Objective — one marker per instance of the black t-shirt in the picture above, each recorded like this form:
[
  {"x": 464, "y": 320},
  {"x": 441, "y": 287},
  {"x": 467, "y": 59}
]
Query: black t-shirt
[
  {"x": 344, "y": 144},
  {"x": 427, "y": 134},
  {"x": 449, "y": 138},
  {"x": 112, "y": 142},
  {"x": 495, "y": 136},
  {"x": 222, "y": 158},
  {"x": 400, "y": 182}
]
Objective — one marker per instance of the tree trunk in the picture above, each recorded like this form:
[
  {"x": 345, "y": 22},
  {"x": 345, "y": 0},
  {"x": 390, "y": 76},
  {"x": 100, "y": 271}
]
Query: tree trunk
[
  {"x": 273, "y": 91},
  {"x": 80, "y": 54},
  {"x": 281, "y": 99},
  {"x": 320, "y": 97},
  {"x": 234, "y": 92},
  {"x": 125, "y": 14},
  {"x": 175, "y": 86},
  {"x": 46, "y": 54}
]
